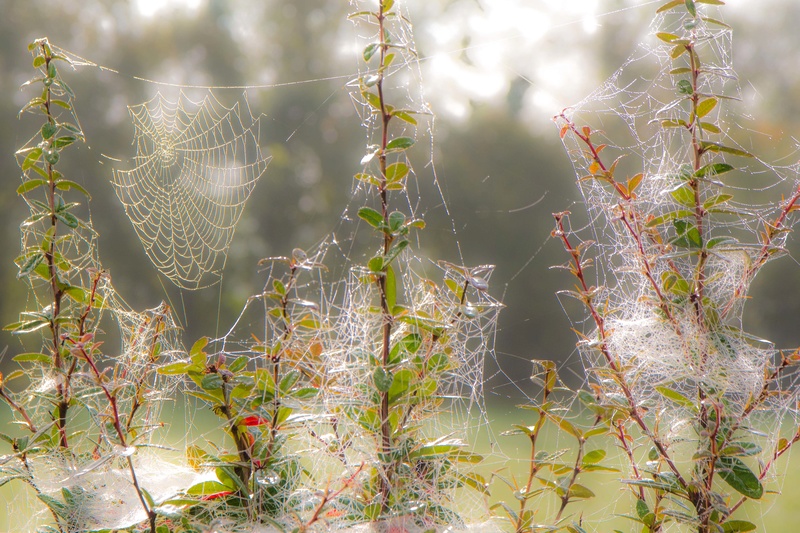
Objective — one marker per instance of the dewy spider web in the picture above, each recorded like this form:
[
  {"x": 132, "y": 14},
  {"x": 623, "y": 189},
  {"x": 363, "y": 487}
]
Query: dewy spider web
[
  {"x": 196, "y": 164},
  {"x": 634, "y": 104}
]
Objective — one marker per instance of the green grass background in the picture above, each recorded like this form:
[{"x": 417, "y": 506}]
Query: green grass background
[{"x": 507, "y": 456}]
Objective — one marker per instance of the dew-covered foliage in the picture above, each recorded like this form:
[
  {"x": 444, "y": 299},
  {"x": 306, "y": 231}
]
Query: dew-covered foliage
[{"x": 346, "y": 395}]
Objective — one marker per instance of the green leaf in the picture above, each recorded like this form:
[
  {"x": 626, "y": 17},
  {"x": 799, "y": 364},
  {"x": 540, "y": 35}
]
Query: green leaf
[
  {"x": 48, "y": 130},
  {"x": 708, "y": 146},
  {"x": 30, "y": 264},
  {"x": 396, "y": 220},
  {"x": 579, "y": 491},
  {"x": 673, "y": 123},
  {"x": 399, "y": 144},
  {"x": 368, "y": 178},
  {"x": 62, "y": 103},
  {"x": 382, "y": 379},
  {"x": 657, "y": 221},
  {"x": 709, "y": 127},
  {"x": 691, "y": 8},
  {"x": 642, "y": 509},
  {"x": 593, "y": 457},
  {"x": 684, "y": 195},
  {"x": 716, "y": 241},
  {"x": 405, "y": 116},
  {"x": 684, "y": 87},
  {"x": 666, "y": 37},
  {"x": 376, "y": 264},
  {"x": 32, "y": 157},
  {"x": 68, "y": 219},
  {"x": 289, "y": 381},
  {"x": 741, "y": 448},
  {"x": 26, "y": 326},
  {"x": 197, "y": 355},
  {"x": 676, "y": 397},
  {"x": 678, "y": 51},
  {"x": 390, "y": 287},
  {"x": 669, "y": 5},
  {"x": 737, "y": 474},
  {"x": 401, "y": 383},
  {"x": 680, "y": 70},
  {"x": 278, "y": 286},
  {"x": 395, "y": 250},
  {"x": 706, "y": 106},
  {"x": 38, "y": 61},
  {"x": 372, "y": 99},
  {"x": 305, "y": 392},
  {"x": 438, "y": 363},
  {"x": 371, "y": 216},
  {"x": 715, "y": 21},
  {"x": 211, "y": 382},
  {"x": 688, "y": 236},
  {"x": 174, "y": 369},
  {"x": 33, "y": 358},
  {"x": 207, "y": 487},
  {"x": 738, "y": 526},
  {"x": 370, "y": 50},
  {"x": 431, "y": 451},
  {"x": 61, "y": 142},
  {"x": 396, "y": 172},
  {"x": 265, "y": 382},
  {"x": 476, "y": 481},
  {"x": 372, "y": 512},
  {"x": 30, "y": 185},
  {"x": 148, "y": 498},
  {"x": 716, "y": 200},
  {"x": 239, "y": 363},
  {"x": 567, "y": 426},
  {"x": 713, "y": 169}
]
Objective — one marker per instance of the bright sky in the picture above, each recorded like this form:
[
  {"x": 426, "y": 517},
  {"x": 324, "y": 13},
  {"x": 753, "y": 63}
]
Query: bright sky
[{"x": 477, "y": 48}]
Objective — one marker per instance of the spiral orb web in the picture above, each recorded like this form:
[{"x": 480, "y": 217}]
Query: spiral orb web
[{"x": 195, "y": 166}]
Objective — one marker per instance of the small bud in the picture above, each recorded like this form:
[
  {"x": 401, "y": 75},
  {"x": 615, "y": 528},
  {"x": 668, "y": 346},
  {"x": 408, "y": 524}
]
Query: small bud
[{"x": 299, "y": 256}]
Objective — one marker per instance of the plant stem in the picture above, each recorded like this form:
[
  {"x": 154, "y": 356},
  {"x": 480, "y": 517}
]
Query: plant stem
[
  {"x": 386, "y": 315},
  {"x": 62, "y": 384}
]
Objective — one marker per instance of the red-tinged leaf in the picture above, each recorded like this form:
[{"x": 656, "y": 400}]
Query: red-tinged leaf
[
  {"x": 252, "y": 421},
  {"x": 564, "y": 130},
  {"x": 216, "y": 495}
]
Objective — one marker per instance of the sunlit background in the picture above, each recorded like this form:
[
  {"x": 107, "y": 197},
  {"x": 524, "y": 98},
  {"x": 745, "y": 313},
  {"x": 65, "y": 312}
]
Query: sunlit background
[{"x": 494, "y": 73}]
